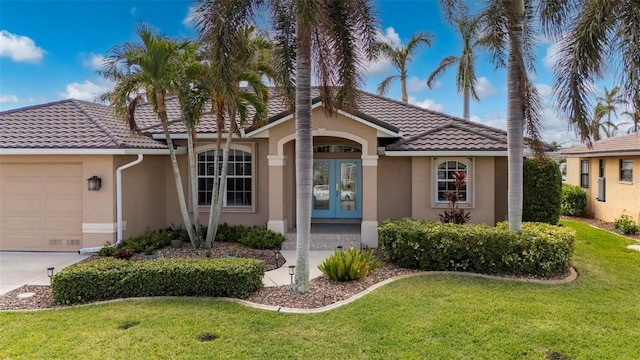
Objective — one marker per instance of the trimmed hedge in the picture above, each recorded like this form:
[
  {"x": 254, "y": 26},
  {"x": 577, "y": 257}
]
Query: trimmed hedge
[
  {"x": 542, "y": 190},
  {"x": 109, "y": 278},
  {"x": 540, "y": 250},
  {"x": 259, "y": 237},
  {"x": 574, "y": 200}
]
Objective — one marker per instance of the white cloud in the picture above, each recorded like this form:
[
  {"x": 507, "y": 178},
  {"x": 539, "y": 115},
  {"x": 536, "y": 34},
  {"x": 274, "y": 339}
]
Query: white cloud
[
  {"x": 382, "y": 65},
  {"x": 86, "y": 90},
  {"x": 132, "y": 11},
  {"x": 426, "y": 103},
  {"x": 4, "y": 98},
  {"x": 94, "y": 61},
  {"x": 190, "y": 19},
  {"x": 551, "y": 56},
  {"x": 484, "y": 88},
  {"x": 545, "y": 91},
  {"x": 19, "y": 48},
  {"x": 493, "y": 118},
  {"x": 415, "y": 85}
]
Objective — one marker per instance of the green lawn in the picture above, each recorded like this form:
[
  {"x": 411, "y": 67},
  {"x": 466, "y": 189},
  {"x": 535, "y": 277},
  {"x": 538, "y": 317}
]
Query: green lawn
[{"x": 430, "y": 317}]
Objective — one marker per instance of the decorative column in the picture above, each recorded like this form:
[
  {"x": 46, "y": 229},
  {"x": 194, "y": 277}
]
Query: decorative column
[
  {"x": 369, "y": 226},
  {"x": 277, "y": 221}
]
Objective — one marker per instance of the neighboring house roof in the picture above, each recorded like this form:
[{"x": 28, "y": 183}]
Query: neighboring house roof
[
  {"x": 625, "y": 145},
  {"x": 69, "y": 124},
  {"x": 75, "y": 124}
]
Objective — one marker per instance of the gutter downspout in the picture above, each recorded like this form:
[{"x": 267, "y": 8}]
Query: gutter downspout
[{"x": 118, "y": 205}]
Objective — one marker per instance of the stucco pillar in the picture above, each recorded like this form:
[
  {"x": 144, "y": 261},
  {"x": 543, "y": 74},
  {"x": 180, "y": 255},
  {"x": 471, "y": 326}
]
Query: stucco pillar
[
  {"x": 369, "y": 226},
  {"x": 420, "y": 187},
  {"x": 277, "y": 221}
]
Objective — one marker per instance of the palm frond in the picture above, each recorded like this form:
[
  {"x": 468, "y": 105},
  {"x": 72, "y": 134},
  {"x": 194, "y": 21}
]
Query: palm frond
[{"x": 383, "y": 87}]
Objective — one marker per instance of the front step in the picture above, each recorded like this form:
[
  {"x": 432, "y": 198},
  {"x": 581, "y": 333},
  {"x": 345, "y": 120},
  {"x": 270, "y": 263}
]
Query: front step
[{"x": 324, "y": 241}]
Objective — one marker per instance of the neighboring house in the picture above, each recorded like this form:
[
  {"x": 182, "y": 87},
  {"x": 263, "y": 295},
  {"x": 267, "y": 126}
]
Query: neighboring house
[
  {"x": 610, "y": 174},
  {"x": 386, "y": 160}
]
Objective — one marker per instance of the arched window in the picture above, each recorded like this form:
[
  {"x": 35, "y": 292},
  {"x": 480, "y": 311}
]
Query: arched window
[
  {"x": 444, "y": 180},
  {"x": 239, "y": 177}
]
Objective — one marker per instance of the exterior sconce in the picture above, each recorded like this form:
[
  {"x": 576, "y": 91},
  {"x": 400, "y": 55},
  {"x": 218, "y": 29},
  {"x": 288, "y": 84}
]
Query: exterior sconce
[
  {"x": 292, "y": 271},
  {"x": 50, "y": 273},
  {"x": 95, "y": 183}
]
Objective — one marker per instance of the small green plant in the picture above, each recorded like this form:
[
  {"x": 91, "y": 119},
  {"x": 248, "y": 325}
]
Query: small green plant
[
  {"x": 154, "y": 239},
  {"x": 124, "y": 254},
  {"x": 207, "y": 254},
  {"x": 230, "y": 233},
  {"x": 454, "y": 214},
  {"x": 107, "y": 250},
  {"x": 573, "y": 201},
  {"x": 349, "y": 265},
  {"x": 259, "y": 237},
  {"x": 626, "y": 225}
]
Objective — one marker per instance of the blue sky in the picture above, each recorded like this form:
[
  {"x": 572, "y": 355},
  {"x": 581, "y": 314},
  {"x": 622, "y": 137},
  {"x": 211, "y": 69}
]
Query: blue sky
[{"x": 50, "y": 50}]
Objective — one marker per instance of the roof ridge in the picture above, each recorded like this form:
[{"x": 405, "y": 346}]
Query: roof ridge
[
  {"x": 80, "y": 105},
  {"x": 37, "y": 106}
]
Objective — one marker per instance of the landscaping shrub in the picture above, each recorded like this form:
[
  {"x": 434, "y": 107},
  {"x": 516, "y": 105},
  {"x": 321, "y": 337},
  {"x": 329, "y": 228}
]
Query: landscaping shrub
[
  {"x": 124, "y": 254},
  {"x": 538, "y": 250},
  {"x": 573, "y": 200},
  {"x": 150, "y": 239},
  {"x": 177, "y": 232},
  {"x": 349, "y": 265},
  {"x": 107, "y": 250},
  {"x": 259, "y": 237},
  {"x": 542, "y": 190},
  {"x": 109, "y": 278},
  {"x": 626, "y": 225},
  {"x": 230, "y": 233}
]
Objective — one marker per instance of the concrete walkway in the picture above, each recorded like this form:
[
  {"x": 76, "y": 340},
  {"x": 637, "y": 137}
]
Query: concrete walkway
[
  {"x": 30, "y": 268},
  {"x": 280, "y": 276}
]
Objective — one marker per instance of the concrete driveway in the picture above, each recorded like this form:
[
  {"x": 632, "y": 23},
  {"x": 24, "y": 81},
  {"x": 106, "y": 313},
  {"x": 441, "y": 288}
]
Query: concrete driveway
[{"x": 30, "y": 268}]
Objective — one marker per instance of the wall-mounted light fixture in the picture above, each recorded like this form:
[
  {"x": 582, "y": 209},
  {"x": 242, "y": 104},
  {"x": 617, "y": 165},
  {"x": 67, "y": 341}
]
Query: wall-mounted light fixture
[{"x": 95, "y": 183}]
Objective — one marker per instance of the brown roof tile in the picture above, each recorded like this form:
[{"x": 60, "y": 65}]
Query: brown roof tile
[
  {"x": 69, "y": 124},
  {"x": 625, "y": 144}
]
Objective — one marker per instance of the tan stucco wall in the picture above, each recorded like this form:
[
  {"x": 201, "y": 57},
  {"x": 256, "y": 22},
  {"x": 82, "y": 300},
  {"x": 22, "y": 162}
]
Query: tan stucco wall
[
  {"x": 256, "y": 215},
  {"x": 98, "y": 207},
  {"x": 620, "y": 196},
  {"x": 143, "y": 191},
  {"x": 394, "y": 187}
]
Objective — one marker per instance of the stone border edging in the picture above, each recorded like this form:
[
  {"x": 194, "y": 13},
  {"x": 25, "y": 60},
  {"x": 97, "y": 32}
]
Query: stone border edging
[{"x": 571, "y": 277}]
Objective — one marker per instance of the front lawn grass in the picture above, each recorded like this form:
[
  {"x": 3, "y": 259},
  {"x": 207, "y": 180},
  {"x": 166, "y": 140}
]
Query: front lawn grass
[{"x": 431, "y": 317}]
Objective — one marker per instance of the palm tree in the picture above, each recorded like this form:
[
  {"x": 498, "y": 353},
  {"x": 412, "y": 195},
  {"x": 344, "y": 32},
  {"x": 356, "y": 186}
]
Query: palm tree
[
  {"x": 400, "y": 57},
  {"x": 327, "y": 34},
  {"x": 607, "y": 105},
  {"x": 593, "y": 34},
  {"x": 510, "y": 39},
  {"x": 469, "y": 28},
  {"x": 635, "y": 121},
  {"x": 148, "y": 71}
]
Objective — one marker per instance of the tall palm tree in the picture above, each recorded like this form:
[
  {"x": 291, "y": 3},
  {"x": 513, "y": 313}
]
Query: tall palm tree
[
  {"x": 324, "y": 36},
  {"x": 607, "y": 105},
  {"x": 400, "y": 57},
  {"x": 469, "y": 28},
  {"x": 148, "y": 71},
  {"x": 510, "y": 39},
  {"x": 593, "y": 34},
  {"x": 635, "y": 121}
]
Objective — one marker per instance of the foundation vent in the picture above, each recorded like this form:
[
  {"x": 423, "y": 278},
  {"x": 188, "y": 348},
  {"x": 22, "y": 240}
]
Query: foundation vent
[
  {"x": 73, "y": 242},
  {"x": 55, "y": 242}
]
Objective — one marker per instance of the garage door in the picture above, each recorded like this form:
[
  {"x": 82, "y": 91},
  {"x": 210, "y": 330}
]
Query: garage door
[{"x": 41, "y": 206}]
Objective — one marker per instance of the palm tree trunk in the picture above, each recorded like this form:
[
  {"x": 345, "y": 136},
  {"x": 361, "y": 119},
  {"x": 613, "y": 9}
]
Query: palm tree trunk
[
  {"x": 164, "y": 120},
  {"x": 214, "y": 216},
  {"x": 194, "y": 181},
  {"x": 304, "y": 155},
  {"x": 403, "y": 85},
  {"x": 215, "y": 198},
  {"x": 515, "y": 120},
  {"x": 465, "y": 105}
]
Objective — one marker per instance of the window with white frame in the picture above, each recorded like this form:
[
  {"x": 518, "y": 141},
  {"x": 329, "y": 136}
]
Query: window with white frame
[
  {"x": 584, "y": 173},
  {"x": 239, "y": 177},
  {"x": 626, "y": 170},
  {"x": 445, "y": 180}
]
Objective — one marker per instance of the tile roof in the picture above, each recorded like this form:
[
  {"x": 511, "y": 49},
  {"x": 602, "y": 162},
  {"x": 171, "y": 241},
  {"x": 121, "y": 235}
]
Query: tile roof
[
  {"x": 625, "y": 144},
  {"x": 80, "y": 124},
  {"x": 69, "y": 124}
]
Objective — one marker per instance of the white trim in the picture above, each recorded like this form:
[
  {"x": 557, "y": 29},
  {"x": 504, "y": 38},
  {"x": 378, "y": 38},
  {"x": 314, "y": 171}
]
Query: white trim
[
  {"x": 340, "y": 134},
  {"x": 179, "y": 151},
  {"x": 369, "y": 233},
  {"x": 463, "y": 153},
  {"x": 369, "y": 160},
  {"x": 184, "y": 136},
  {"x": 601, "y": 154},
  {"x": 256, "y": 132},
  {"x": 102, "y": 228},
  {"x": 279, "y": 226},
  {"x": 277, "y": 160}
]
